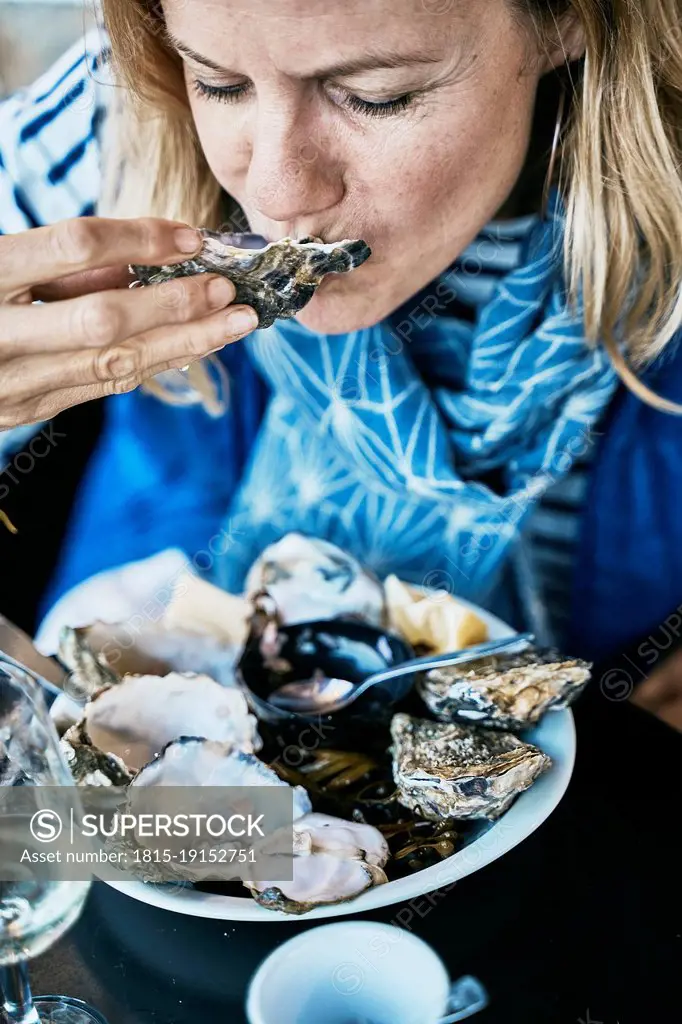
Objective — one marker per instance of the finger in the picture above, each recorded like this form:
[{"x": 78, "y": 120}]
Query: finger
[
  {"x": 671, "y": 714},
  {"x": 122, "y": 366},
  {"x": 86, "y": 243},
  {"x": 71, "y": 287},
  {"x": 656, "y": 690},
  {"x": 95, "y": 321}
]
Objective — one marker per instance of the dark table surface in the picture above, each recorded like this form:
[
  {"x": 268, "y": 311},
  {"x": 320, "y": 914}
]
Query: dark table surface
[{"x": 581, "y": 922}]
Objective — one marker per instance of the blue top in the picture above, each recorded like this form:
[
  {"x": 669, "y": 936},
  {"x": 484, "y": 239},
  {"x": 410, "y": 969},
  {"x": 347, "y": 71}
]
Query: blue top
[{"x": 628, "y": 573}]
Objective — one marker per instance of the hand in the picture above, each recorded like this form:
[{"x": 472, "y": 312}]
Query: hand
[
  {"x": 96, "y": 336},
  {"x": 661, "y": 693}
]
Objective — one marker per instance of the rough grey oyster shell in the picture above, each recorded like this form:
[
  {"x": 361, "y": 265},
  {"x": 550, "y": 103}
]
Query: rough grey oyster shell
[
  {"x": 88, "y": 667},
  {"x": 89, "y": 765},
  {"x": 445, "y": 771},
  {"x": 505, "y": 691},
  {"x": 277, "y": 281}
]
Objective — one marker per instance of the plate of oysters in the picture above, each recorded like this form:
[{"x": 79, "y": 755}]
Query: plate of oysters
[{"x": 405, "y": 777}]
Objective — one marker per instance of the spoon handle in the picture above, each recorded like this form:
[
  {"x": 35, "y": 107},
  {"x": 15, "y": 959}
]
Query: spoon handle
[{"x": 445, "y": 660}]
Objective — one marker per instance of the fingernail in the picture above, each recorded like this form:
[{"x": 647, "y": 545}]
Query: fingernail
[
  {"x": 242, "y": 321},
  {"x": 220, "y": 292},
  {"x": 188, "y": 240}
]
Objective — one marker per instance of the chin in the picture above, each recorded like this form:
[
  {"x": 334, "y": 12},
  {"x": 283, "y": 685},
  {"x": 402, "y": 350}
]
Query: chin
[{"x": 340, "y": 312}]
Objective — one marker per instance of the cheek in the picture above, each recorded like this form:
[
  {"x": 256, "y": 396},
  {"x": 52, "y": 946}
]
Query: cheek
[
  {"x": 218, "y": 138},
  {"x": 453, "y": 178}
]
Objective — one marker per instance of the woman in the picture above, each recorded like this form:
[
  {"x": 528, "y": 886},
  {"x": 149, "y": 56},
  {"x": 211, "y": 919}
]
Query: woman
[{"x": 418, "y": 410}]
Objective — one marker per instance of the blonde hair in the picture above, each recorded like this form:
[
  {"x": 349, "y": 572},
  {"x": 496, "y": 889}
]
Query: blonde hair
[{"x": 620, "y": 169}]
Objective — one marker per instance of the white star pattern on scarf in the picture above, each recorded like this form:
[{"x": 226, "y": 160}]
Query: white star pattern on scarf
[{"x": 424, "y": 455}]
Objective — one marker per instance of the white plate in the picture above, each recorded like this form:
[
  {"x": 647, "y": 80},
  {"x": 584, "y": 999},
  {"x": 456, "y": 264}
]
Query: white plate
[{"x": 555, "y": 735}]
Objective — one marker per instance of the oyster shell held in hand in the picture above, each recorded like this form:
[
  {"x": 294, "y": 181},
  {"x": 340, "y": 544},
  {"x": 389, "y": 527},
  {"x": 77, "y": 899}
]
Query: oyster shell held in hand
[{"x": 277, "y": 281}]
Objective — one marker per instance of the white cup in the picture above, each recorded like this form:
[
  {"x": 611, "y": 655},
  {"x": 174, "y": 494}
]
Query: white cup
[{"x": 358, "y": 972}]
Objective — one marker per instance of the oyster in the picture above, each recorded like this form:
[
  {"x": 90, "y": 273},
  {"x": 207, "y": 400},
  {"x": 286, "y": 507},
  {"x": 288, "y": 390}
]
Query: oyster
[
  {"x": 125, "y": 725},
  {"x": 194, "y": 761},
  {"x": 89, "y": 765},
  {"x": 102, "y": 653},
  {"x": 505, "y": 691},
  {"x": 89, "y": 668},
  {"x": 334, "y": 861},
  {"x": 206, "y": 764},
  {"x": 458, "y": 771},
  {"x": 312, "y": 579},
  {"x": 277, "y": 281},
  {"x": 135, "y": 719}
]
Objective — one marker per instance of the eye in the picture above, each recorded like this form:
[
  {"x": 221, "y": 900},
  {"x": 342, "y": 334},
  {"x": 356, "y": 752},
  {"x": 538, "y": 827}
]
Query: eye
[
  {"x": 387, "y": 108},
  {"x": 222, "y": 93}
]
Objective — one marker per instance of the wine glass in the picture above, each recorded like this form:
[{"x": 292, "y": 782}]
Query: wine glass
[{"x": 34, "y": 913}]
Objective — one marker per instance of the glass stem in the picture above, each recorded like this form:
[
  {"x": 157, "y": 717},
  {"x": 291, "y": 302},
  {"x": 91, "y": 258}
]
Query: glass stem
[{"x": 18, "y": 1005}]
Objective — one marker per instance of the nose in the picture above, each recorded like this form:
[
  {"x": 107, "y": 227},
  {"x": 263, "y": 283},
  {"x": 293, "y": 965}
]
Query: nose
[{"x": 292, "y": 175}]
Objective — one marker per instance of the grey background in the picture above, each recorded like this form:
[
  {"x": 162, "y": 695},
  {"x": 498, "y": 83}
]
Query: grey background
[{"x": 34, "y": 33}]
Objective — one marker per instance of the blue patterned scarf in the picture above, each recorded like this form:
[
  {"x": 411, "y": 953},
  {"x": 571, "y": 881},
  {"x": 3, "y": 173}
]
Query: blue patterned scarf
[{"x": 423, "y": 452}]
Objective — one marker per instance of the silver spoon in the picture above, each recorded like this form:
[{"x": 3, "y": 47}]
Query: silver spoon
[{"x": 329, "y": 695}]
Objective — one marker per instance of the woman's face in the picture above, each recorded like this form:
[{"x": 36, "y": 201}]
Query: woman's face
[{"x": 401, "y": 122}]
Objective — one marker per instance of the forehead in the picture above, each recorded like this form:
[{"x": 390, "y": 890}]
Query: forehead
[{"x": 304, "y": 33}]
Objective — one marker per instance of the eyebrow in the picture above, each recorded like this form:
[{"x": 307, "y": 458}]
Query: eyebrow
[
  {"x": 187, "y": 51},
  {"x": 368, "y": 62}
]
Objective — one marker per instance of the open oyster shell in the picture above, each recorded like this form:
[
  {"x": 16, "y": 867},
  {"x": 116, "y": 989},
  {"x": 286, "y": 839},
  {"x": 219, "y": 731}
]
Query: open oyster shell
[
  {"x": 334, "y": 861},
  {"x": 312, "y": 579},
  {"x": 128, "y": 723},
  {"x": 104, "y": 652},
  {"x": 200, "y": 763},
  {"x": 277, "y": 281},
  {"x": 137, "y": 718},
  {"x": 195, "y": 761},
  {"x": 101, "y": 654},
  {"x": 457, "y": 771},
  {"x": 505, "y": 691},
  {"x": 89, "y": 765}
]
